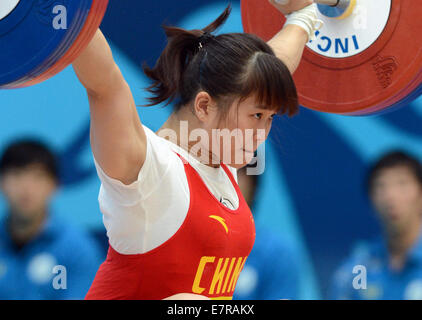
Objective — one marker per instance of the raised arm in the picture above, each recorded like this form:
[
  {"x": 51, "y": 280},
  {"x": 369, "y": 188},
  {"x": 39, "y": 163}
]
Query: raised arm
[
  {"x": 117, "y": 138},
  {"x": 289, "y": 43}
]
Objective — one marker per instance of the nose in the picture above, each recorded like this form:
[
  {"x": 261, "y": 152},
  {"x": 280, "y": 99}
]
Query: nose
[{"x": 389, "y": 198}]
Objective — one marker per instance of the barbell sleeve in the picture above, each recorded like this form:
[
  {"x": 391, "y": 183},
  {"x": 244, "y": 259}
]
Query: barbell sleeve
[{"x": 332, "y": 3}]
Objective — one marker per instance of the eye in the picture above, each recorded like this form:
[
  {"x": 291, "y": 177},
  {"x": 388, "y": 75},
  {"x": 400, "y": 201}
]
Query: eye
[{"x": 258, "y": 116}]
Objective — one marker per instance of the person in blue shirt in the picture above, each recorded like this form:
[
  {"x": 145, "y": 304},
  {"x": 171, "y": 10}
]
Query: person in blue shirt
[
  {"x": 41, "y": 257},
  {"x": 271, "y": 271},
  {"x": 388, "y": 267}
]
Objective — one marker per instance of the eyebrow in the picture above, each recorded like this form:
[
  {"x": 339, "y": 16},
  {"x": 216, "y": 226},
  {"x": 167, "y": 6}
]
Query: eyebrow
[
  {"x": 266, "y": 109},
  {"x": 261, "y": 107}
]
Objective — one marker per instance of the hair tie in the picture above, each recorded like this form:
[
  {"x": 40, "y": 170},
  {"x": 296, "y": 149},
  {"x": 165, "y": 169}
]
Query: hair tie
[{"x": 204, "y": 39}]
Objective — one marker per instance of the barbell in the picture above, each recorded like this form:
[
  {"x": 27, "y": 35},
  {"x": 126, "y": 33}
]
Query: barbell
[
  {"x": 39, "y": 38},
  {"x": 366, "y": 59}
]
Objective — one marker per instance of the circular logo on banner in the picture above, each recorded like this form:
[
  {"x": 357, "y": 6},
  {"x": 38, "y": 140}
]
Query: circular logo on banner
[
  {"x": 7, "y": 6},
  {"x": 247, "y": 281},
  {"x": 40, "y": 268},
  {"x": 342, "y": 38},
  {"x": 373, "y": 292},
  {"x": 414, "y": 290}
]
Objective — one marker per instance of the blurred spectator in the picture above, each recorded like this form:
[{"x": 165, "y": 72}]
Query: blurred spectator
[
  {"x": 32, "y": 240},
  {"x": 271, "y": 271},
  {"x": 390, "y": 266}
]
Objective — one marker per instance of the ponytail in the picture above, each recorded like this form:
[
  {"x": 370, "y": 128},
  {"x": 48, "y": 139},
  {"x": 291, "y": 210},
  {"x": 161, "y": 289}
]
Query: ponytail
[{"x": 168, "y": 73}]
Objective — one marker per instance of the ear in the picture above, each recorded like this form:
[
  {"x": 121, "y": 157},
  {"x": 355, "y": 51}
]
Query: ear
[{"x": 204, "y": 106}]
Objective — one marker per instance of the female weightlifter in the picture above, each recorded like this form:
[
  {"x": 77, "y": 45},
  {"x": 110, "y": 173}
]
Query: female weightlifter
[{"x": 177, "y": 223}]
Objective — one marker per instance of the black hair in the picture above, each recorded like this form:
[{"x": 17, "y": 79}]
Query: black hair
[
  {"x": 25, "y": 152},
  {"x": 226, "y": 66},
  {"x": 392, "y": 159}
]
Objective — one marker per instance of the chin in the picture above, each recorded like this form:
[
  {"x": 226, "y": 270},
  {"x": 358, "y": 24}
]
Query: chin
[
  {"x": 396, "y": 224},
  {"x": 237, "y": 165}
]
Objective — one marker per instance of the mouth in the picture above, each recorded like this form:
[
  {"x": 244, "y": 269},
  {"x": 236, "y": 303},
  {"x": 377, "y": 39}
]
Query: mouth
[{"x": 392, "y": 213}]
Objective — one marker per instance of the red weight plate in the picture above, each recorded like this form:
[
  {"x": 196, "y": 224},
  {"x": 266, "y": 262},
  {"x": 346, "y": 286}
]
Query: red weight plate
[
  {"x": 91, "y": 25},
  {"x": 414, "y": 86},
  {"x": 376, "y": 79}
]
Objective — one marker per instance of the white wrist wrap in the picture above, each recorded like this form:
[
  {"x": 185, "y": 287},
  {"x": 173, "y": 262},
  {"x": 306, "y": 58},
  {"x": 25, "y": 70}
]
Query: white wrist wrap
[{"x": 307, "y": 19}]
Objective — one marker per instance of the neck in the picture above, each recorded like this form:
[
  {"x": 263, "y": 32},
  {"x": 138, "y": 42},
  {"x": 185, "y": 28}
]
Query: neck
[
  {"x": 23, "y": 229},
  {"x": 181, "y": 125},
  {"x": 399, "y": 242}
]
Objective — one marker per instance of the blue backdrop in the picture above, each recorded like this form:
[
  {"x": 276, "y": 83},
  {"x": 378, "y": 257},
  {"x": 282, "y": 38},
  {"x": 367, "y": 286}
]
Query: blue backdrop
[{"x": 312, "y": 191}]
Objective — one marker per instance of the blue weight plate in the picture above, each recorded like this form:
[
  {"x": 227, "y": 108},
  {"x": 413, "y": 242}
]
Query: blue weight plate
[{"x": 33, "y": 36}]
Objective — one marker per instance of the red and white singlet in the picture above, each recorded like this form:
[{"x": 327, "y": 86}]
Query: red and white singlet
[{"x": 204, "y": 256}]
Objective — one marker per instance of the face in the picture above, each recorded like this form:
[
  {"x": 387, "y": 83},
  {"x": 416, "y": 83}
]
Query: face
[
  {"x": 235, "y": 138},
  {"x": 397, "y": 197},
  {"x": 27, "y": 190}
]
